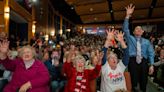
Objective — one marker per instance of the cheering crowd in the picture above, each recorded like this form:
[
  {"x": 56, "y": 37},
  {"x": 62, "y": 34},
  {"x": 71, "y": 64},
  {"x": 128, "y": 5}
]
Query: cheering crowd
[{"x": 116, "y": 62}]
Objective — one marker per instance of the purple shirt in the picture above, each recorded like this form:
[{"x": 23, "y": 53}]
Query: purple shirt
[{"x": 37, "y": 74}]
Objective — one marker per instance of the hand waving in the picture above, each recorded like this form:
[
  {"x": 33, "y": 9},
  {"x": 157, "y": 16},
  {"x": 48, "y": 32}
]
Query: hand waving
[
  {"x": 129, "y": 10},
  {"x": 110, "y": 41},
  {"x": 119, "y": 36},
  {"x": 110, "y": 34},
  {"x": 4, "y": 46}
]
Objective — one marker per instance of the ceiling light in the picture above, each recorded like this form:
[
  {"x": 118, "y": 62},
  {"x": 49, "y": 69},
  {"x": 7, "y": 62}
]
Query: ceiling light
[
  {"x": 34, "y": 0},
  {"x": 91, "y": 9},
  {"x": 111, "y": 11},
  {"x": 72, "y": 7},
  {"x": 95, "y": 18}
]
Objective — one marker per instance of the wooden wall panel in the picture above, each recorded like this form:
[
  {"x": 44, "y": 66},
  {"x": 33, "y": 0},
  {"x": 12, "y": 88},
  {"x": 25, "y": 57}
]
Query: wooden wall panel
[
  {"x": 96, "y": 8},
  {"x": 20, "y": 10},
  {"x": 2, "y": 16}
]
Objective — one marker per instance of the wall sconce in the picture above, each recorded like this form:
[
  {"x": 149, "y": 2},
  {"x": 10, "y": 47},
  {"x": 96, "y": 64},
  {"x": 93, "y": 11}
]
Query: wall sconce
[
  {"x": 61, "y": 32},
  {"x": 33, "y": 28},
  {"x": 68, "y": 30},
  {"x": 52, "y": 33},
  {"x": 84, "y": 31},
  {"x": 46, "y": 37},
  {"x": 7, "y": 12}
]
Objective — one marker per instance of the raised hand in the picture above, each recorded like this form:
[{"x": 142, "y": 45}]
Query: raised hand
[
  {"x": 129, "y": 10},
  {"x": 4, "y": 46},
  {"x": 110, "y": 40},
  {"x": 110, "y": 34},
  {"x": 119, "y": 36}
]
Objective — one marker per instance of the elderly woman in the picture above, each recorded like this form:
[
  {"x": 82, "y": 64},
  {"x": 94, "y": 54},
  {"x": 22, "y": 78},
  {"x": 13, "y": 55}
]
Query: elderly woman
[
  {"x": 112, "y": 75},
  {"x": 29, "y": 74},
  {"x": 78, "y": 77}
]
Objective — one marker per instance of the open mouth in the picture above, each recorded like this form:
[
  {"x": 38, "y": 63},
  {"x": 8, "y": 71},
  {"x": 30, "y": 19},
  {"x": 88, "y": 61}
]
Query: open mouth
[
  {"x": 114, "y": 62},
  {"x": 80, "y": 65},
  {"x": 27, "y": 56}
]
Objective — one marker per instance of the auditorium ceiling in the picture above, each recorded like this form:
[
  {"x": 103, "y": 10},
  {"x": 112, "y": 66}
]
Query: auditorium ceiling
[{"x": 108, "y": 11}]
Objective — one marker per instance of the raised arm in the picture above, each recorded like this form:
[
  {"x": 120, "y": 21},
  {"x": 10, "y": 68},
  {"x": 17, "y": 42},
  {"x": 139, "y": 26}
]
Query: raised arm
[
  {"x": 7, "y": 63},
  {"x": 109, "y": 42},
  {"x": 4, "y": 46},
  {"x": 119, "y": 37},
  {"x": 129, "y": 11}
]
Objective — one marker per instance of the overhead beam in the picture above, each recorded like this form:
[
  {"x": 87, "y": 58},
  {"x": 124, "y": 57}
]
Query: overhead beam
[
  {"x": 111, "y": 9},
  {"x": 93, "y": 13},
  {"x": 148, "y": 20},
  {"x": 153, "y": 4},
  {"x": 90, "y": 3}
]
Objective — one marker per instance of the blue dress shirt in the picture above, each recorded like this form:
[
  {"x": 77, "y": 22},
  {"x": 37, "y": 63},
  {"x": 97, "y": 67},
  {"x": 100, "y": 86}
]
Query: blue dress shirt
[{"x": 147, "y": 50}]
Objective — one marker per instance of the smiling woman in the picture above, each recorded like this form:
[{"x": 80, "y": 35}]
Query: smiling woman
[{"x": 26, "y": 71}]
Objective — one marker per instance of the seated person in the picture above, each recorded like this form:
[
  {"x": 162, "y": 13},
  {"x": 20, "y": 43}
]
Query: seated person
[
  {"x": 112, "y": 74},
  {"x": 78, "y": 77},
  {"x": 29, "y": 74},
  {"x": 159, "y": 78}
]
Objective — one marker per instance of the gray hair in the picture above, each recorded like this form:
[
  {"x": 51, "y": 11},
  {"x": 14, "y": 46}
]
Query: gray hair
[
  {"x": 77, "y": 58},
  {"x": 21, "y": 51},
  {"x": 111, "y": 54}
]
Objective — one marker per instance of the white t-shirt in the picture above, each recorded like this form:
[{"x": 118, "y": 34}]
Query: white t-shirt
[{"x": 112, "y": 80}]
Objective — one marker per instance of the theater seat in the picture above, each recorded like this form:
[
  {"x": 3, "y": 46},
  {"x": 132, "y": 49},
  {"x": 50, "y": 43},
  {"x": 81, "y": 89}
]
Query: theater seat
[{"x": 128, "y": 81}]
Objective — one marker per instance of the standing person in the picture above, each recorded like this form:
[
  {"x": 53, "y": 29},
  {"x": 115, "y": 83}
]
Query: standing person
[
  {"x": 140, "y": 51},
  {"x": 29, "y": 74}
]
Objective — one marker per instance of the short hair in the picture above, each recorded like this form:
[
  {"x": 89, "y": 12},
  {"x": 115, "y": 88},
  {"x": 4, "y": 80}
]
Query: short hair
[
  {"x": 77, "y": 58},
  {"x": 137, "y": 26},
  {"x": 111, "y": 54},
  {"x": 21, "y": 51}
]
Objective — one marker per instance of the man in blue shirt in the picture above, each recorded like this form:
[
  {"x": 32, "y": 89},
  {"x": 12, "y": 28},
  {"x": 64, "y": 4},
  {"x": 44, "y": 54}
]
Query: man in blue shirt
[{"x": 138, "y": 54}]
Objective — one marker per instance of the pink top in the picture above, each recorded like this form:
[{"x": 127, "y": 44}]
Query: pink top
[{"x": 37, "y": 74}]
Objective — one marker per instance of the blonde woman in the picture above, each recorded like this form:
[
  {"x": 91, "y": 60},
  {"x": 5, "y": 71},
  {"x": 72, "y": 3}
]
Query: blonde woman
[
  {"x": 29, "y": 74},
  {"x": 78, "y": 77}
]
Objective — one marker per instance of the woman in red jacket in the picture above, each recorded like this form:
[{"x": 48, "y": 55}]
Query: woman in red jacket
[{"x": 77, "y": 76}]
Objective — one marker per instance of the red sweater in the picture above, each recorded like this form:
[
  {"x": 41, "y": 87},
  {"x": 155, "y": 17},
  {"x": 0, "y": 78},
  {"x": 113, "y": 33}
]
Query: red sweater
[{"x": 71, "y": 74}]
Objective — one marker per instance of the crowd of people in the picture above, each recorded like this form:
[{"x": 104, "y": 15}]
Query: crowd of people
[{"x": 84, "y": 63}]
